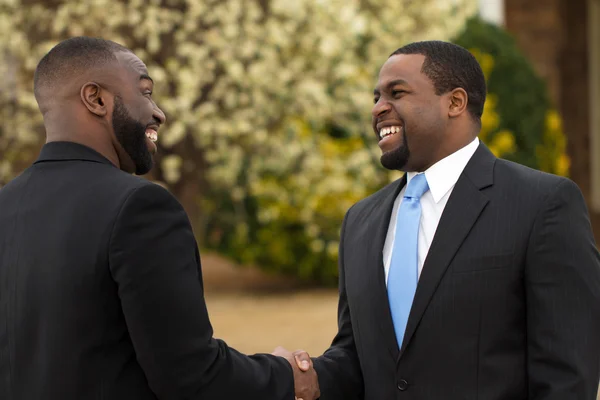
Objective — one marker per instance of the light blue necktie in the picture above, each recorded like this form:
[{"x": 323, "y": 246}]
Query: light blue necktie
[{"x": 403, "y": 274}]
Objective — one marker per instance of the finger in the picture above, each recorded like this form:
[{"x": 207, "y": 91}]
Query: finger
[
  {"x": 303, "y": 356},
  {"x": 303, "y": 360}
]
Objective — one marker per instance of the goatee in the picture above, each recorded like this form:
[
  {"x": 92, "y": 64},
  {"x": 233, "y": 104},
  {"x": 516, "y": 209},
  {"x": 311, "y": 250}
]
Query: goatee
[{"x": 396, "y": 159}]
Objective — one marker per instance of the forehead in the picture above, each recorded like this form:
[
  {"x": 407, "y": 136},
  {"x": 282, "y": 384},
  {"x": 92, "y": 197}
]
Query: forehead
[
  {"x": 406, "y": 67},
  {"x": 131, "y": 63}
]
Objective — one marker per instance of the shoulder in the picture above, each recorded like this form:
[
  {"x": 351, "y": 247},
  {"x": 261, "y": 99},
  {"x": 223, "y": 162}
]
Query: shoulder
[
  {"x": 149, "y": 209},
  {"x": 525, "y": 175},
  {"x": 119, "y": 181},
  {"x": 538, "y": 184},
  {"x": 518, "y": 175},
  {"x": 142, "y": 194},
  {"x": 125, "y": 187},
  {"x": 128, "y": 197}
]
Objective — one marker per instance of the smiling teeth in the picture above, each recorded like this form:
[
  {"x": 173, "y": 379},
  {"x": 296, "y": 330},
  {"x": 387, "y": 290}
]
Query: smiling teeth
[
  {"x": 152, "y": 135},
  {"x": 389, "y": 131}
]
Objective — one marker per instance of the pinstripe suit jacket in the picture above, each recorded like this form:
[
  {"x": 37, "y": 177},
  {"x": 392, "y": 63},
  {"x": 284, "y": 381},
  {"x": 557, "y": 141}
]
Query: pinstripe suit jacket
[{"x": 507, "y": 306}]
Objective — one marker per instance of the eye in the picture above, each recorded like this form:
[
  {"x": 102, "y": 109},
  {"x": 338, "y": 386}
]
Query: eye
[
  {"x": 398, "y": 92},
  {"x": 375, "y": 100}
]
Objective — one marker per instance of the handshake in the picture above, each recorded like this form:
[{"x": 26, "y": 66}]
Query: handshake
[{"x": 306, "y": 382}]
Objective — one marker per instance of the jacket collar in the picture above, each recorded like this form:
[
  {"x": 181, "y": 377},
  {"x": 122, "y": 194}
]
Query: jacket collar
[{"x": 70, "y": 151}]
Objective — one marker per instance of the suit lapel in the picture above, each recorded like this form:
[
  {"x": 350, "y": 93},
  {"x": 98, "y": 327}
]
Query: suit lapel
[
  {"x": 379, "y": 228},
  {"x": 460, "y": 214}
]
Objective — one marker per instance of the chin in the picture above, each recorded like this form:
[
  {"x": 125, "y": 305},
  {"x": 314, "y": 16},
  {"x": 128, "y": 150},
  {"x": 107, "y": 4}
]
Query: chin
[
  {"x": 144, "y": 169},
  {"x": 395, "y": 160}
]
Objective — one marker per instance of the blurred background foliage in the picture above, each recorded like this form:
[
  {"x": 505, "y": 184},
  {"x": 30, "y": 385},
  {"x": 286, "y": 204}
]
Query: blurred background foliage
[
  {"x": 524, "y": 127},
  {"x": 268, "y": 139}
]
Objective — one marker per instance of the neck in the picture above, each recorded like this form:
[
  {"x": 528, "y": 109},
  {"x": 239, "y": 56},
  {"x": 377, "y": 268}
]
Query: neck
[
  {"x": 454, "y": 146},
  {"x": 443, "y": 152},
  {"x": 90, "y": 137},
  {"x": 459, "y": 136},
  {"x": 459, "y": 143}
]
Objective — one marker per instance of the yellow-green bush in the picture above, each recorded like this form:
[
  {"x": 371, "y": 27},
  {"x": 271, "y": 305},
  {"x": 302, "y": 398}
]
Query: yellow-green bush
[
  {"x": 552, "y": 152},
  {"x": 268, "y": 141},
  {"x": 267, "y": 101},
  {"x": 297, "y": 206}
]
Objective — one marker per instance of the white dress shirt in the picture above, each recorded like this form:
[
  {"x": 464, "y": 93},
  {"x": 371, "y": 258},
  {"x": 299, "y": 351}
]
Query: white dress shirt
[{"x": 441, "y": 178}]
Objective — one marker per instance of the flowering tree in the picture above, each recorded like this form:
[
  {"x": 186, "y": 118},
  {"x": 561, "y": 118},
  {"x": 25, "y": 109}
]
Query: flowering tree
[{"x": 268, "y": 140}]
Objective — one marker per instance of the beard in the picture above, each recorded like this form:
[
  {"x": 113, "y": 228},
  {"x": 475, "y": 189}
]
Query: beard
[
  {"x": 396, "y": 159},
  {"x": 131, "y": 134}
]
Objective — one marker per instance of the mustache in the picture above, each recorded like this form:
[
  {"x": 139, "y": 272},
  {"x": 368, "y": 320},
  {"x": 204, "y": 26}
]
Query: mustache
[{"x": 154, "y": 122}]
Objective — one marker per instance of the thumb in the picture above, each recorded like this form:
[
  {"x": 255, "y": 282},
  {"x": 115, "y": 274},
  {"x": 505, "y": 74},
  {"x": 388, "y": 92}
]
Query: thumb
[{"x": 303, "y": 360}]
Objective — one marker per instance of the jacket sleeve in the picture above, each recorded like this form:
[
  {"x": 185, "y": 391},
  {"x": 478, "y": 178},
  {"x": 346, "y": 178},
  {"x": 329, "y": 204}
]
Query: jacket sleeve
[
  {"x": 338, "y": 369},
  {"x": 155, "y": 263},
  {"x": 562, "y": 283}
]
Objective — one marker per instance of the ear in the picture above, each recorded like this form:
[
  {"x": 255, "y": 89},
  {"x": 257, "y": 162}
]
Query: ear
[
  {"x": 458, "y": 102},
  {"x": 94, "y": 97}
]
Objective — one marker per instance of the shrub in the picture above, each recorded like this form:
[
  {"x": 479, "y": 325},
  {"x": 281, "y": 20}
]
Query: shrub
[{"x": 295, "y": 208}]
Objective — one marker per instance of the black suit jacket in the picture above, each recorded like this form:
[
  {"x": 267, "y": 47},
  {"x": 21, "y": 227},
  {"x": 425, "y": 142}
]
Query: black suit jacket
[
  {"x": 101, "y": 293},
  {"x": 507, "y": 306}
]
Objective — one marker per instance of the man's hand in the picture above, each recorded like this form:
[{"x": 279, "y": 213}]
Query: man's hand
[{"x": 306, "y": 382}]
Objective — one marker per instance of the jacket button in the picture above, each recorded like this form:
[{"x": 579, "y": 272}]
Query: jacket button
[{"x": 402, "y": 385}]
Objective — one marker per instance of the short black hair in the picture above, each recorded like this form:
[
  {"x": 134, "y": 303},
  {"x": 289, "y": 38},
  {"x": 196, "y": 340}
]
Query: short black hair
[
  {"x": 450, "y": 66},
  {"x": 70, "y": 57}
]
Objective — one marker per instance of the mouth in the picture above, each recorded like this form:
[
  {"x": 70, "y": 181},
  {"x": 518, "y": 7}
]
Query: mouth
[
  {"x": 389, "y": 130},
  {"x": 152, "y": 133}
]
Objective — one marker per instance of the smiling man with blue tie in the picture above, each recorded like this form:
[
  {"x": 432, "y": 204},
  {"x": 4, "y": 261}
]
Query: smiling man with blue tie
[{"x": 471, "y": 277}]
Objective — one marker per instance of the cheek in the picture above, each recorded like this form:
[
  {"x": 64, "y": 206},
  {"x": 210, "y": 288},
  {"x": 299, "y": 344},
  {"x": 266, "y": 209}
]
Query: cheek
[
  {"x": 428, "y": 115},
  {"x": 142, "y": 111},
  {"x": 422, "y": 127},
  {"x": 421, "y": 118}
]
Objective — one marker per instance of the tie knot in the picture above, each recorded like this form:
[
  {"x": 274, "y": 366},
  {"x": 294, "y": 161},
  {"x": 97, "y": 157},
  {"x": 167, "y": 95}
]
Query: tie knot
[{"x": 417, "y": 187}]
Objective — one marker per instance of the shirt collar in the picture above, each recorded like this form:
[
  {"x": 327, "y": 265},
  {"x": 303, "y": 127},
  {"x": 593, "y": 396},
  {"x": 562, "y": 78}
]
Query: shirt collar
[{"x": 444, "y": 174}]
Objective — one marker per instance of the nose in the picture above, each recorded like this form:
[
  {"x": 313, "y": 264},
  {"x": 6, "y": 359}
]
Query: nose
[
  {"x": 159, "y": 115},
  {"x": 380, "y": 108}
]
